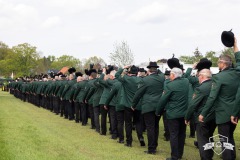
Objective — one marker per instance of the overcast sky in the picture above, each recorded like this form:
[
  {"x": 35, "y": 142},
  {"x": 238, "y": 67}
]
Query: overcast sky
[{"x": 154, "y": 29}]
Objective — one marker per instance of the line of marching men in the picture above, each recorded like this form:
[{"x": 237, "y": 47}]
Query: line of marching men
[{"x": 130, "y": 93}]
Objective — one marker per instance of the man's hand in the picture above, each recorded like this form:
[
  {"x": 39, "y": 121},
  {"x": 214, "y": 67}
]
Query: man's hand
[
  {"x": 187, "y": 122},
  {"x": 200, "y": 118},
  {"x": 128, "y": 66},
  {"x": 234, "y": 120},
  {"x": 104, "y": 70},
  {"x": 132, "y": 108},
  {"x": 105, "y": 107},
  {"x": 194, "y": 65},
  {"x": 235, "y": 47}
]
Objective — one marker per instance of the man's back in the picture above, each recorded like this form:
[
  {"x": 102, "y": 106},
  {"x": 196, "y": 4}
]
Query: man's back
[{"x": 224, "y": 87}]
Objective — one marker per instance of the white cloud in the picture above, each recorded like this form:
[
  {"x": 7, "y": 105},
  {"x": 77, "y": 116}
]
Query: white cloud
[
  {"x": 153, "y": 13},
  {"x": 51, "y": 22},
  {"x": 17, "y": 16},
  {"x": 75, "y": 6},
  {"x": 165, "y": 43},
  {"x": 116, "y": 15},
  {"x": 86, "y": 39}
]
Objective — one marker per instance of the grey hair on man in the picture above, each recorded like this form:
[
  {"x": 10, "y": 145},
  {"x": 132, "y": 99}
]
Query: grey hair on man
[
  {"x": 226, "y": 59},
  {"x": 85, "y": 77},
  {"x": 205, "y": 73},
  {"x": 177, "y": 72}
]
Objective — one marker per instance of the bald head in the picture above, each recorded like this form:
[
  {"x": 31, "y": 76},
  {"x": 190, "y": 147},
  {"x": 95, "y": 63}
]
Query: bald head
[{"x": 79, "y": 79}]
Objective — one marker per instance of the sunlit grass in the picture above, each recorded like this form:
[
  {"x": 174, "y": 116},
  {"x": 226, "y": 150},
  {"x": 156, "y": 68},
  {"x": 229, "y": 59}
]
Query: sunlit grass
[{"x": 28, "y": 133}]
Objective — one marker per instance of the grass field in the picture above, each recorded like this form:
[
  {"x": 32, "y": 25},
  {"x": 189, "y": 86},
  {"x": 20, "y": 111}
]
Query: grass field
[{"x": 31, "y": 133}]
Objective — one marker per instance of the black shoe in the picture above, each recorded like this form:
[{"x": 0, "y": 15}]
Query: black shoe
[
  {"x": 195, "y": 143},
  {"x": 166, "y": 139},
  {"x": 113, "y": 137},
  {"x": 84, "y": 124},
  {"x": 150, "y": 152},
  {"x": 103, "y": 134},
  {"x": 142, "y": 143},
  {"x": 128, "y": 145},
  {"x": 93, "y": 127},
  {"x": 120, "y": 141},
  {"x": 98, "y": 131},
  {"x": 134, "y": 127},
  {"x": 77, "y": 121}
]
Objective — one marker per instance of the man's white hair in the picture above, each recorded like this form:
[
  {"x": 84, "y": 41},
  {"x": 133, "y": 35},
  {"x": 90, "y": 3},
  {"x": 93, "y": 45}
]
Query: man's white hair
[
  {"x": 85, "y": 77},
  {"x": 177, "y": 72},
  {"x": 112, "y": 73},
  {"x": 206, "y": 73}
]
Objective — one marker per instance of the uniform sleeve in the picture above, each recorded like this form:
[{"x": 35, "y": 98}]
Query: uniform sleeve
[
  {"x": 120, "y": 78},
  {"x": 102, "y": 81},
  {"x": 236, "y": 107},
  {"x": 196, "y": 100},
  {"x": 163, "y": 100},
  {"x": 90, "y": 93},
  {"x": 188, "y": 73},
  {"x": 237, "y": 58},
  {"x": 139, "y": 93},
  {"x": 216, "y": 85},
  {"x": 110, "y": 96}
]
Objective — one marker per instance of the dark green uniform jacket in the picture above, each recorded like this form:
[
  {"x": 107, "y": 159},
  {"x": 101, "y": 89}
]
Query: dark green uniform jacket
[
  {"x": 130, "y": 85},
  {"x": 107, "y": 84},
  {"x": 115, "y": 92},
  {"x": 174, "y": 98},
  {"x": 236, "y": 108},
  {"x": 223, "y": 93},
  {"x": 199, "y": 99},
  {"x": 94, "y": 92},
  {"x": 149, "y": 92},
  {"x": 80, "y": 91},
  {"x": 87, "y": 91},
  {"x": 67, "y": 89},
  {"x": 61, "y": 88}
]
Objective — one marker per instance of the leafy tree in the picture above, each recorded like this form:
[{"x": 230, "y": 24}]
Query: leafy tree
[
  {"x": 23, "y": 60},
  {"x": 162, "y": 61},
  {"x": 122, "y": 55},
  {"x": 43, "y": 65},
  {"x": 65, "y": 60},
  {"x": 94, "y": 60},
  {"x": 4, "y": 50},
  {"x": 197, "y": 53},
  {"x": 192, "y": 59},
  {"x": 211, "y": 55}
]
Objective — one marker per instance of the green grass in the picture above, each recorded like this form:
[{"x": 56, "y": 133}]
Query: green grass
[{"x": 31, "y": 133}]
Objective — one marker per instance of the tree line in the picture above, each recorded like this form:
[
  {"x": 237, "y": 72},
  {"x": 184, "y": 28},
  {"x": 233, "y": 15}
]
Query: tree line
[
  {"x": 24, "y": 60},
  {"x": 210, "y": 55}
]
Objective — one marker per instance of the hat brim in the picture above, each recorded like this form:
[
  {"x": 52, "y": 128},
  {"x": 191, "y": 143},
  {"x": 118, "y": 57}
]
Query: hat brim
[{"x": 152, "y": 66}]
